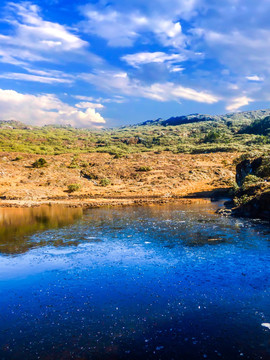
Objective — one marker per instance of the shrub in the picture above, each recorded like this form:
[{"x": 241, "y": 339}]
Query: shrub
[
  {"x": 40, "y": 163},
  {"x": 212, "y": 136},
  {"x": 251, "y": 179},
  {"x": 74, "y": 187},
  {"x": 118, "y": 155},
  {"x": 264, "y": 170},
  {"x": 74, "y": 163},
  {"x": 105, "y": 182},
  {"x": 88, "y": 175},
  {"x": 17, "y": 158},
  {"x": 243, "y": 200},
  {"x": 144, "y": 168}
]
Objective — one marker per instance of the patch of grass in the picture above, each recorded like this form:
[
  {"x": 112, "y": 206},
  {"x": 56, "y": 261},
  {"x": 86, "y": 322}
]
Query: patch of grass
[
  {"x": 144, "y": 168},
  {"x": 18, "y": 158},
  {"x": 104, "y": 182},
  {"x": 74, "y": 187},
  {"x": 41, "y": 162},
  {"x": 252, "y": 179},
  {"x": 264, "y": 170}
]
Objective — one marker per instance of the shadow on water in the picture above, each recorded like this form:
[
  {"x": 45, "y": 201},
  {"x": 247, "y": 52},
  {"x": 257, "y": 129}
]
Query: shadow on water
[{"x": 18, "y": 224}]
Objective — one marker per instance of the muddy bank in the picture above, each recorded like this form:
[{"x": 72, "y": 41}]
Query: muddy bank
[{"x": 95, "y": 203}]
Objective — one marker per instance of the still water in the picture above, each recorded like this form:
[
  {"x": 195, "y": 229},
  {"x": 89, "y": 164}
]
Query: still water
[{"x": 157, "y": 282}]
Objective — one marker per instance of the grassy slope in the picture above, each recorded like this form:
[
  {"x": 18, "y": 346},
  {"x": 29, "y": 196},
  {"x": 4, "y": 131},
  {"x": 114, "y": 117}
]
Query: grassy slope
[
  {"x": 181, "y": 159},
  {"x": 200, "y": 137}
]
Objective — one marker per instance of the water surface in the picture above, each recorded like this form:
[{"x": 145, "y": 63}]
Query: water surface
[{"x": 158, "y": 282}]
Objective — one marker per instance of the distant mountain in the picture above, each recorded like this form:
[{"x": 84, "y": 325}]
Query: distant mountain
[
  {"x": 13, "y": 124},
  {"x": 194, "y": 118}
]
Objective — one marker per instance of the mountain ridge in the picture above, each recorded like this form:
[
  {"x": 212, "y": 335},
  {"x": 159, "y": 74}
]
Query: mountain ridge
[
  {"x": 172, "y": 121},
  {"x": 193, "y": 118}
]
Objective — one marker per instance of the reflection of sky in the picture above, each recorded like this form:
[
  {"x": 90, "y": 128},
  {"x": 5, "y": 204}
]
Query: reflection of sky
[{"x": 136, "y": 273}]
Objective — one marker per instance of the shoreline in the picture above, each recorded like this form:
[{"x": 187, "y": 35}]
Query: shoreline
[{"x": 102, "y": 202}]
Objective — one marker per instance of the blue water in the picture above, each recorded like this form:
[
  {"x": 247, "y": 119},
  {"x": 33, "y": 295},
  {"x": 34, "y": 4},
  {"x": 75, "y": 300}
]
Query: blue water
[{"x": 157, "y": 282}]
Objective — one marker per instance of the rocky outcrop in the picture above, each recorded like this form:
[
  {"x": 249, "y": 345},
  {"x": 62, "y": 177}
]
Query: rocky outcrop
[
  {"x": 247, "y": 167},
  {"x": 252, "y": 199},
  {"x": 256, "y": 207}
]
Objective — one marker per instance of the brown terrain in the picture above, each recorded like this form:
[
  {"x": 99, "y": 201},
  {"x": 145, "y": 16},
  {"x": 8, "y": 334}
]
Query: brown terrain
[{"x": 133, "y": 179}]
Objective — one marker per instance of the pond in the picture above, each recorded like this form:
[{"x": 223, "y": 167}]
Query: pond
[{"x": 154, "y": 282}]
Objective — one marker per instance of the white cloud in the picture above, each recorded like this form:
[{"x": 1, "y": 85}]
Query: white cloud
[
  {"x": 120, "y": 82},
  {"x": 90, "y": 105},
  {"x": 115, "y": 99},
  {"x": 142, "y": 58},
  {"x": 45, "y": 109},
  {"x": 254, "y": 78},
  {"x": 238, "y": 102},
  {"x": 33, "y": 38},
  {"x": 122, "y": 28},
  {"x": 35, "y": 78},
  {"x": 175, "y": 69}
]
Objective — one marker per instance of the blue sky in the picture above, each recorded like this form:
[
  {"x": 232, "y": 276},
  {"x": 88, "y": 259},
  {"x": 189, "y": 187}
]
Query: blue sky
[{"x": 111, "y": 63}]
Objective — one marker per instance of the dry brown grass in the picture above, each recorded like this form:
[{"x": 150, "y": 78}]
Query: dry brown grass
[{"x": 172, "y": 175}]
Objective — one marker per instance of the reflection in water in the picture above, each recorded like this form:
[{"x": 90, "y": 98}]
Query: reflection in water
[
  {"x": 16, "y": 224},
  {"x": 157, "y": 282}
]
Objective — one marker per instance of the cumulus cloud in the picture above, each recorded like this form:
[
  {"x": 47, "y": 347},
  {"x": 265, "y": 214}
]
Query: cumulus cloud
[
  {"x": 34, "y": 39},
  {"x": 46, "y": 109},
  {"x": 120, "y": 82},
  {"x": 238, "y": 102},
  {"x": 222, "y": 46},
  {"x": 122, "y": 27}
]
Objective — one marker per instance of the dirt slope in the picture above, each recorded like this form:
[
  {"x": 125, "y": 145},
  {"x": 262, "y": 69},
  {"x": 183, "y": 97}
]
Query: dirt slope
[{"x": 132, "y": 178}]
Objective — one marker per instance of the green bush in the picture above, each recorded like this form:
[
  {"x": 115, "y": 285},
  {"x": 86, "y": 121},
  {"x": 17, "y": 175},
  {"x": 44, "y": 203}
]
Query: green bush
[
  {"x": 40, "y": 163},
  {"x": 73, "y": 187},
  {"x": 252, "y": 179},
  {"x": 212, "y": 136},
  {"x": 74, "y": 162},
  {"x": 105, "y": 182},
  {"x": 264, "y": 170},
  {"x": 17, "y": 158},
  {"x": 144, "y": 168}
]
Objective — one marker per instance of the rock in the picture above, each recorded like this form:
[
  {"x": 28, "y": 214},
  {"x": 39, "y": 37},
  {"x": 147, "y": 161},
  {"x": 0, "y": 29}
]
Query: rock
[
  {"x": 258, "y": 207},
  {"x": 247, "y": 167},
  {"x": 224, "y": 212}
]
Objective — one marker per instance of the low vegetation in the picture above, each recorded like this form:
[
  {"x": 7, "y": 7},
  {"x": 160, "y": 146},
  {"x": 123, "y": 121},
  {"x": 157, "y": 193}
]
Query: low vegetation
[
  {"x": 74, "y": 187},
  {"x": 144, "y": 168},
  {"x": 105, "y": 182},
  {"x": 162, "y": 158},
  {"x": 244, "y": 132},
  {"x": 39, "y": 163}
]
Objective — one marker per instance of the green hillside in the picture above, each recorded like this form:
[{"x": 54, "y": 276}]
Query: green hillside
[{"x": 246, "y": 131}]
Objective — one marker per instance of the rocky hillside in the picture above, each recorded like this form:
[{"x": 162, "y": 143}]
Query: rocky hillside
[{"x": 194, "y": 118}]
